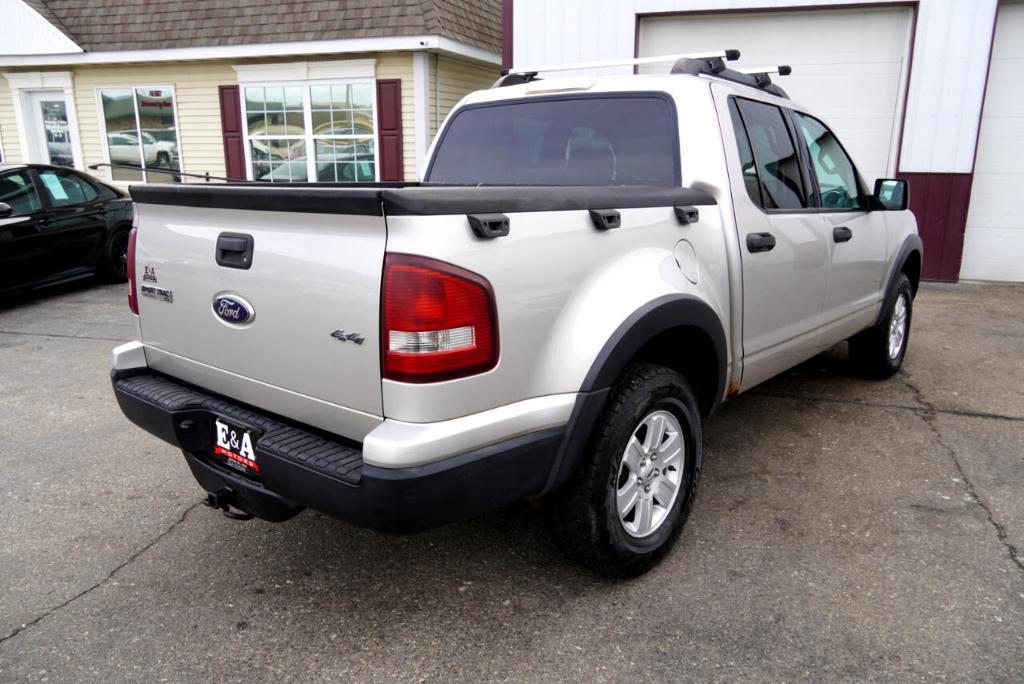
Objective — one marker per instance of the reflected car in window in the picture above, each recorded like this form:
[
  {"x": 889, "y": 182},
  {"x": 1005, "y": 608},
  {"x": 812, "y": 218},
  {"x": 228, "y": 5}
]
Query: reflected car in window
[
  {"x": 124, "y": 149},
  {"x": 58, "y": 225}
]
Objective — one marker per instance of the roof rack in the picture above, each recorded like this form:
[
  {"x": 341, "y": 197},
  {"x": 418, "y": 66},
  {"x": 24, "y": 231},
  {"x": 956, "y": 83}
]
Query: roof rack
[
  {"x": 710, "y": 63},
  {"x": 517, "y": 75}
]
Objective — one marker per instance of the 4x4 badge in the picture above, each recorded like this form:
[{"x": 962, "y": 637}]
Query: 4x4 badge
[{"x": 343, "y": 336}]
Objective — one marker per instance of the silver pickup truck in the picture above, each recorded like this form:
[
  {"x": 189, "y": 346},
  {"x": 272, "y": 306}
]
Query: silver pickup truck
[{"x": 589, "y": 268}]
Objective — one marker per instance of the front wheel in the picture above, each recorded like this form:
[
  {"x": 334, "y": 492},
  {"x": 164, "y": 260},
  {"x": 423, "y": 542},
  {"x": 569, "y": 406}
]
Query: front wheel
[
  {"x": 629, "y": 501},
  {"x": 878, "y": 352}
]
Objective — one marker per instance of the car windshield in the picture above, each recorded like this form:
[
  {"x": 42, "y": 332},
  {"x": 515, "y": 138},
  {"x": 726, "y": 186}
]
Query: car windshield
[{"x": 608, "y": 140}]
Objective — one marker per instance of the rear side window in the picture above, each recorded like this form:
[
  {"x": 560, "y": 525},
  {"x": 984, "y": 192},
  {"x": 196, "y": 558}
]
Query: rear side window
[
  {"x": 561, "y": 141},
  {"x": 836, "y": 174},
  {"x": 773, "y": 153},
  {"x": 66, "y": 188}
]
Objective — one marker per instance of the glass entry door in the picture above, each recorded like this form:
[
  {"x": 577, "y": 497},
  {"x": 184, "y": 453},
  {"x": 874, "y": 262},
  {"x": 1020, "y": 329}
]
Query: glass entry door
[{"x": 49, "y": 118}]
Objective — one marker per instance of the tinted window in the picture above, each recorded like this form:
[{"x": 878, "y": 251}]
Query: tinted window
[
  {"x": 774, "y": 154},
  {"x": 837, "y": 177},
  {"x": 65, "y": 189},
  {"x": 564, "y": 141},
  {"x": 747, "y": 167},
  {"x": 16, "y": 190}
]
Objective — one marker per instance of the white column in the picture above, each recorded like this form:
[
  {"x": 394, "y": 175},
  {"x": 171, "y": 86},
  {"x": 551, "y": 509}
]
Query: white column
[{"x": 421, "y": 107}]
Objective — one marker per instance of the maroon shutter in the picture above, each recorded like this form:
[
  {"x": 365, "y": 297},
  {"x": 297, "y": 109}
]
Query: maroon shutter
[
  {"x": 231, "y": 127},
  {"x": 389, "y": 130}
]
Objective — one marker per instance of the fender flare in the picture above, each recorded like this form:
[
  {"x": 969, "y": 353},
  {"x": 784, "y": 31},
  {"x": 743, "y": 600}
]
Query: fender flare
[
  {"x": 912, "y": 243},
  {"x": 642, "y": 326}
]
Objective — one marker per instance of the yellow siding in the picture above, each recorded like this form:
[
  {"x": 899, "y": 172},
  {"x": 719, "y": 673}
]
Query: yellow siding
[
  {"x": 8, "y": 125},
  {"x": 198, "y": 108},
  {"x": 399, "y": 65},
  {"x": 455, "y": 79},
  {"x": 196, "y": 99}
]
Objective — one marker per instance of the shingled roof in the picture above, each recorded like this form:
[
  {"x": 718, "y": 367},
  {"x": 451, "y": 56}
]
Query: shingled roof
[{"x": 104, "y": 25}]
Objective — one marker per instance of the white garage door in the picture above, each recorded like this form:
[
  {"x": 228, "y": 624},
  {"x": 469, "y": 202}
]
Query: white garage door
[
  {"x": 994, "y": 242},
  {"x": 848, "y": 65}
]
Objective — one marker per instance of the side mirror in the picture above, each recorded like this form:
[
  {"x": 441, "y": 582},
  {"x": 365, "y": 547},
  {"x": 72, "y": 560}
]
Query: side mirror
[
  {"x": 891, "y": 194},
  {"x": 5, "y": 210}
]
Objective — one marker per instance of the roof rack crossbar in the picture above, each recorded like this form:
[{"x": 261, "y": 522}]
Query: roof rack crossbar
[
  {"x": 716, "y": 68},
  {"x": 730, "y": 55}
]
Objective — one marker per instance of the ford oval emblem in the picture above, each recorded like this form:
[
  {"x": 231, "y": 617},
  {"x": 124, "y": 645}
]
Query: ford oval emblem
[{"x": 233, "y": 309}]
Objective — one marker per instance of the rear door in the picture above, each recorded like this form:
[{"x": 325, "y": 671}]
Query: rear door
[
  {"x": 76, "y": 229},
  {"x": 784, "y": 254},
  {"x": 273, "y": 308}
]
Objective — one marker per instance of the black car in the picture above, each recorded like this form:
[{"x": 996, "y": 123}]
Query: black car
[{"x": 57, "y": 225}]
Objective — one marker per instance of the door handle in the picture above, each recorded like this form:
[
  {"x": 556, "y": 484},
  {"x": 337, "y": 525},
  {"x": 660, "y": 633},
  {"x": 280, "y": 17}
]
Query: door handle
[
  {"x": 760, "y": 242},
  {"x": 842, "y": 234},
  {"x": 234, "y": 250}
]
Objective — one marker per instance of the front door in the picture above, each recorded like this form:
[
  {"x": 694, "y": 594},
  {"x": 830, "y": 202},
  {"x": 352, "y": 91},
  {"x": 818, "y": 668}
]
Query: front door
[
  {"x": 23, "y": 238},
  {"x": 783, "y": 251},
  {"x": 49, "y": 128},
  {"x": 857, "y": 236}
]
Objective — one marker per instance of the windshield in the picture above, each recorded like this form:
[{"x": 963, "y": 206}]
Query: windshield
[{"x": 583, "y": 140}]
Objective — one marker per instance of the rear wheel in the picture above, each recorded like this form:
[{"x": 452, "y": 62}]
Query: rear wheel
[
  {"x": 628, "y": 503},
  {"x": 114, "y": 267},
  {"x": 163, "y": 159},
  {"x": 878, "y": 352}
]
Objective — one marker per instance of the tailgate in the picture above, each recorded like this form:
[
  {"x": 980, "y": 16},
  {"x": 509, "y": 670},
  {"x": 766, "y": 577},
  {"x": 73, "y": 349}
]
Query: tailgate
[{"x": 296, "y": 332}]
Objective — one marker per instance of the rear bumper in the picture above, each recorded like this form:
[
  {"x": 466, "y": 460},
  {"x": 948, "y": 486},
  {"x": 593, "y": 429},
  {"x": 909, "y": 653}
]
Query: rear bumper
[{"x": 304, "y": 467}]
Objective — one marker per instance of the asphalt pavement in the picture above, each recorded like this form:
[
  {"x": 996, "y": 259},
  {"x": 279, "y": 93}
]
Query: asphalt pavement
[{"x": 845, "y": 529}]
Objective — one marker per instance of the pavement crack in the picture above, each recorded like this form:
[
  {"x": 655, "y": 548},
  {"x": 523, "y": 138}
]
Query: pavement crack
[
  {"x": 915, "y": 409},
  {"x": 62, "y": 336},
  {"x": 36, "y": 620},
  {"x": 927, "y": 414}
]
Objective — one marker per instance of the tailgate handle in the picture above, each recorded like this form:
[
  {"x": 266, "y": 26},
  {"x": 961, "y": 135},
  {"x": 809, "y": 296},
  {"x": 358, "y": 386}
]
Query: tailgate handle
[
  {"x": 605, "y": 219},
  {"x": 488, "y": 225},
  {"x": 234, "y": 250},
  {"x": 687, "y": 215}
]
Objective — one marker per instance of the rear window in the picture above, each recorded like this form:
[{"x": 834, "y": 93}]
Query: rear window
[{"x": 621, "y": 140}]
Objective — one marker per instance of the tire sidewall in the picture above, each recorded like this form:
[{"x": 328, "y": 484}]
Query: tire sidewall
[
  {"x": 676, "y": 399},
  {"x": 900, "y": 287},
  {"x": 112, "y": 255}
]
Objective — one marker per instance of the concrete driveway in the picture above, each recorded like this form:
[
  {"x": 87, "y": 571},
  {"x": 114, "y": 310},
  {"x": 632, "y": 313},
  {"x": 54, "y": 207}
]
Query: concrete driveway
[{"x": 844, "y": 529}]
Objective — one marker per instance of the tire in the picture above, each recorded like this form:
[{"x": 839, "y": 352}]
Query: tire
[
  {"x": 878, "y": 352},
  {"x": 163, "y": 160},
  {"x": 583, "y": 515},
  {"x": 114, "y": 265}
]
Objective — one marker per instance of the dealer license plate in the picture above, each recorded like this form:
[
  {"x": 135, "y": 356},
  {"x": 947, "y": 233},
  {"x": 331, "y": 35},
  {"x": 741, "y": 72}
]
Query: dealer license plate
[{"x": 234, "y": 446}]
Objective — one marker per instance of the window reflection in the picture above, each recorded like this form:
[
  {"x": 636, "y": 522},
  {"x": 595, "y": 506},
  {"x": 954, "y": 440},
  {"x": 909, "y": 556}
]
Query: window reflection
[
  {"x": 340, "y": 136},
  {"x": 141, "y": 133}
]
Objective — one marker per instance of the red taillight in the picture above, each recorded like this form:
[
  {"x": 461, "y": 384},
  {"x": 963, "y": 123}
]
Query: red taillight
[
  {"x": 438, "y": 321},
  {"x": 133, "y": 297}
]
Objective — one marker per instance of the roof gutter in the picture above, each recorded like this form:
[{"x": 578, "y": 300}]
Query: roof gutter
[{"x": 261, "y": 50}]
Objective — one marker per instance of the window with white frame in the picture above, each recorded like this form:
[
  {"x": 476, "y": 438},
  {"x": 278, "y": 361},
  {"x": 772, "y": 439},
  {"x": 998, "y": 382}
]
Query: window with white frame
[
  {"x": 141, "y": 133},
  {"x": 320, "y": 132}
]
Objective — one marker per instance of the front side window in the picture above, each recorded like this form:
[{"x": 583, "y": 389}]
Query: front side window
[
  {"x": 322, "y": 132},
  {"x": 18, "y": 192},
  {"x": 836, "y": 174},
  {"x": 65, "y": 189},
  {"x": 561, "y": 141},
  {"x": 141, "y": 133},
  {"x": 774, "y": 155}
]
